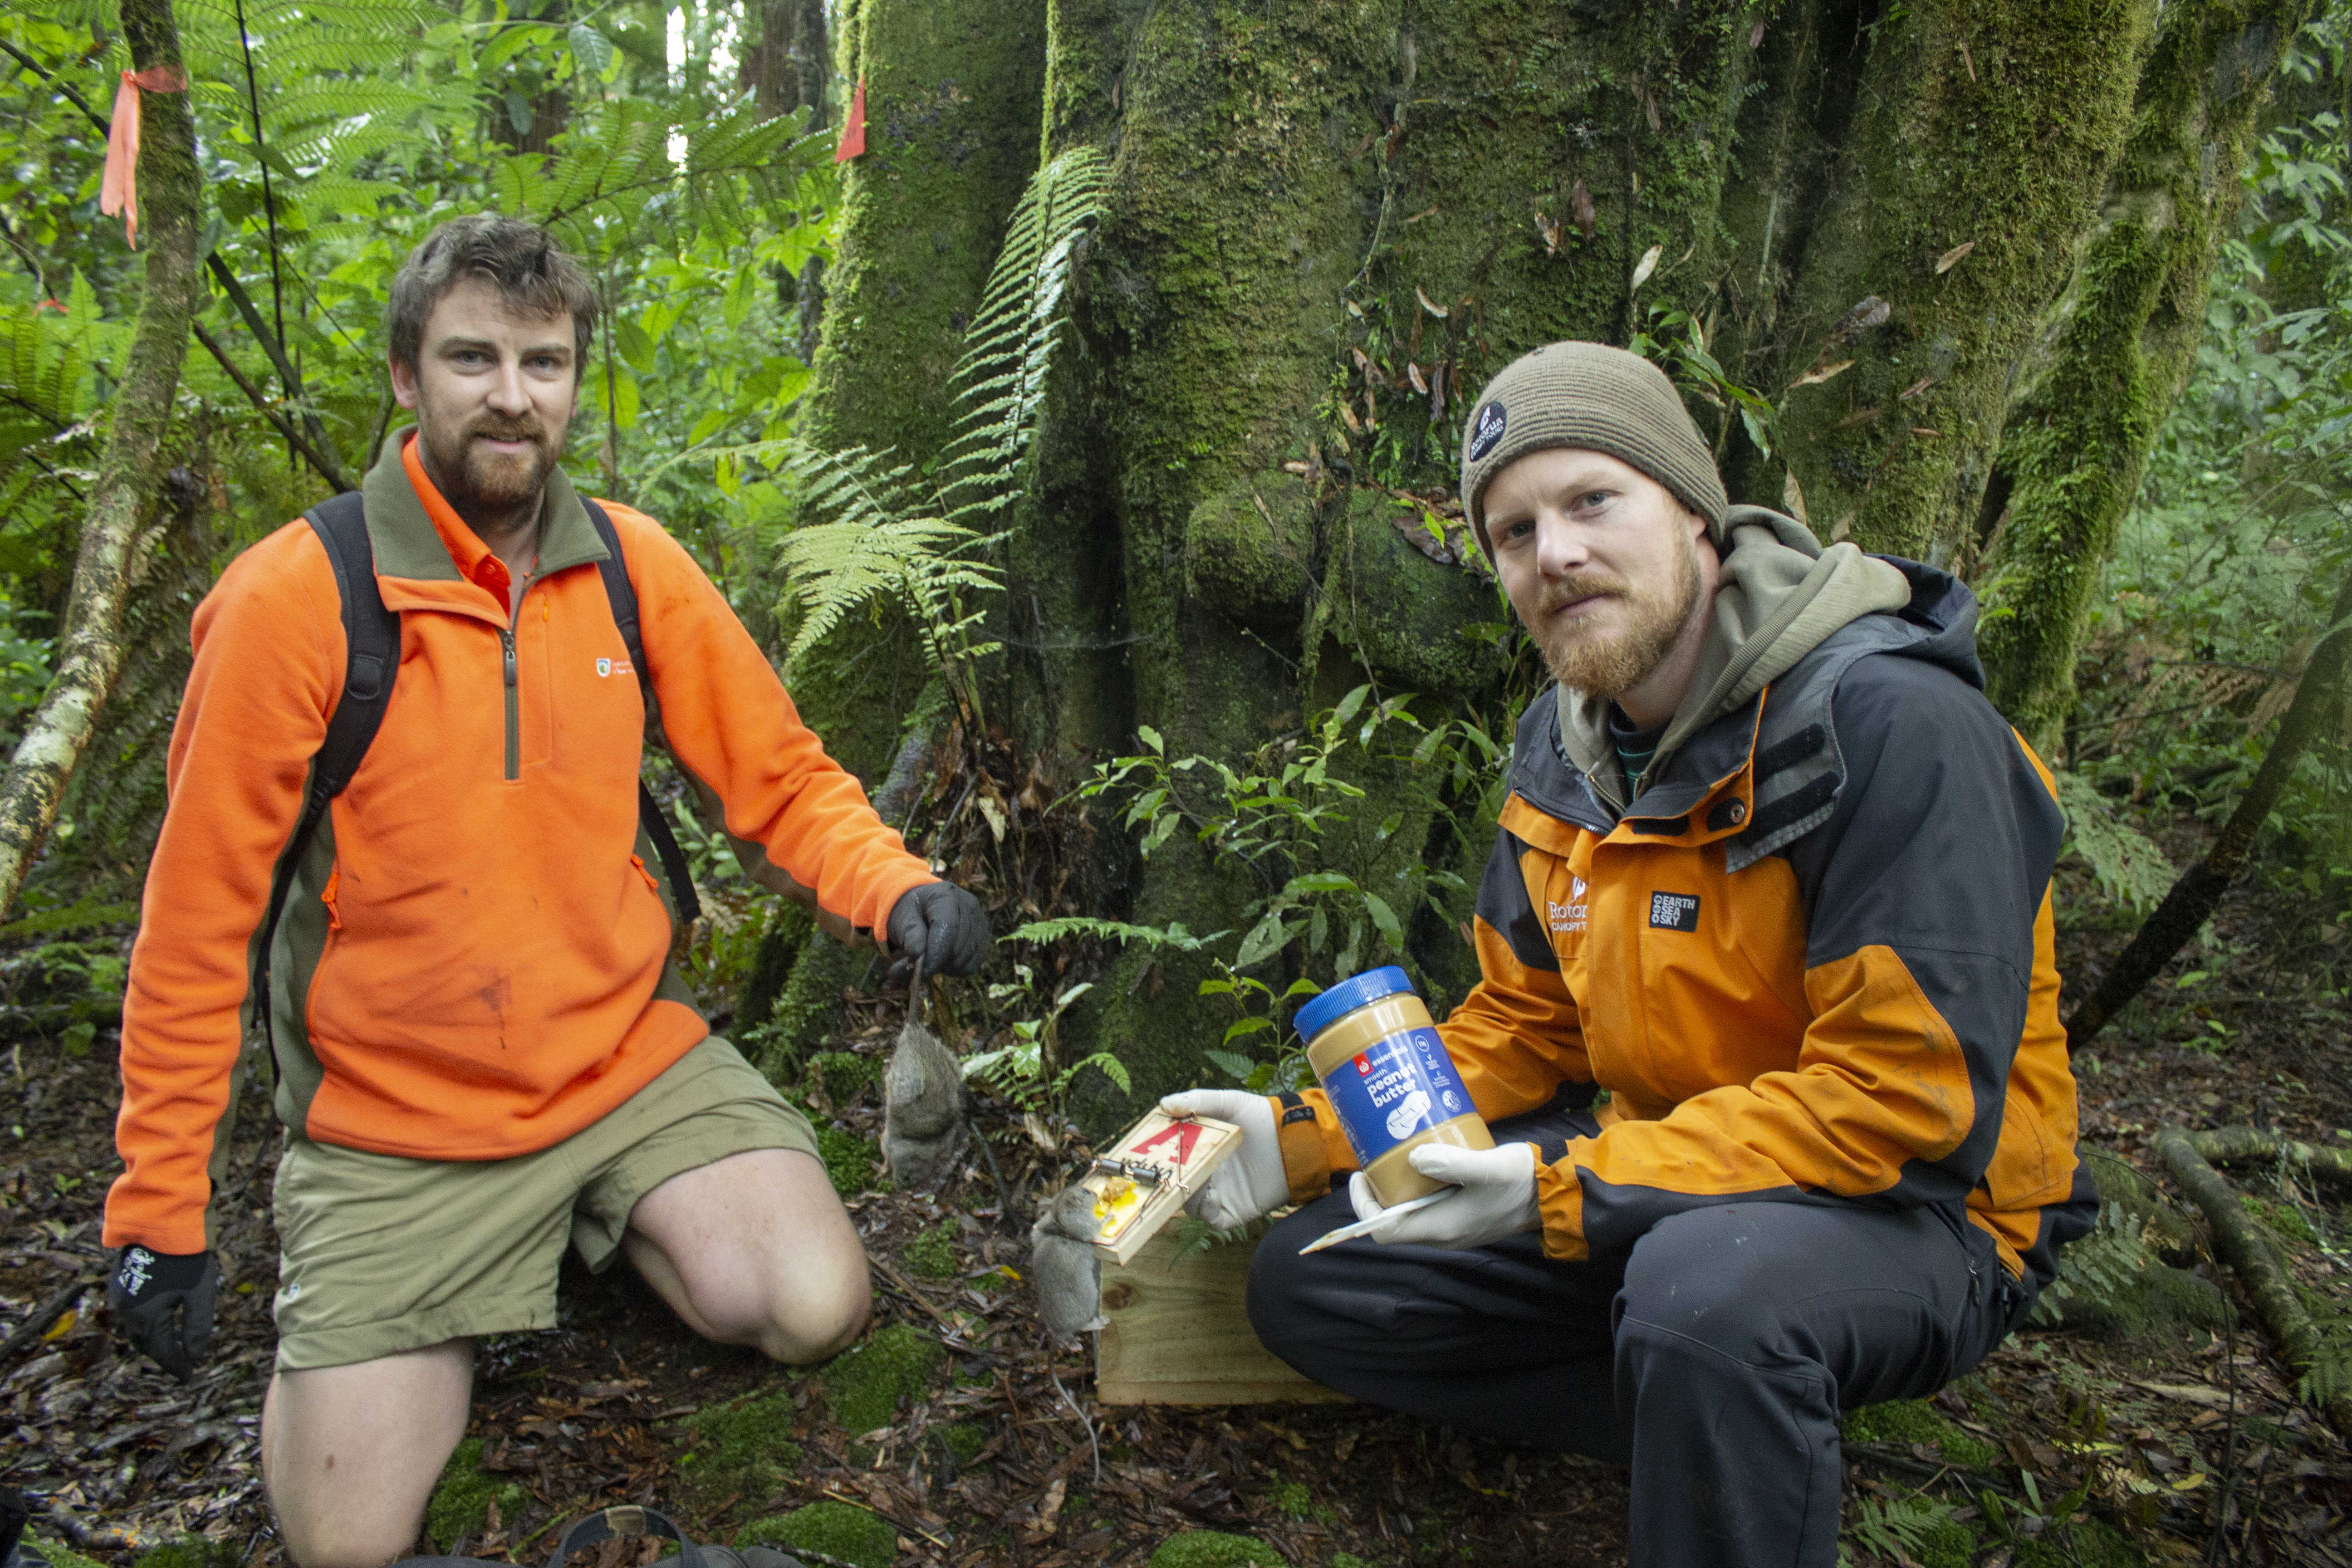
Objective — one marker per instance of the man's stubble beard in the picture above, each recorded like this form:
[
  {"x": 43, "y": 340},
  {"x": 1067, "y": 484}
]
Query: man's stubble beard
[
  {"x": 472, "y": 480},
  {"x": 1608, "y": 667}
]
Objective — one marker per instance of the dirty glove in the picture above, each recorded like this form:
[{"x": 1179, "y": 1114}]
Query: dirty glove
[
  {"x": 162, "y": 1302},
  {"x": 941, "y": 927},
  {"x": 1252, "y": 1182},
  {"x": 1494, "y": 1196}
]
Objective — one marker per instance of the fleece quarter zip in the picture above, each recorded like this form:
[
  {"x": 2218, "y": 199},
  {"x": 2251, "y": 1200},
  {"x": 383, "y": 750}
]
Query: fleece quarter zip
[{"x": 473, "y": 963}]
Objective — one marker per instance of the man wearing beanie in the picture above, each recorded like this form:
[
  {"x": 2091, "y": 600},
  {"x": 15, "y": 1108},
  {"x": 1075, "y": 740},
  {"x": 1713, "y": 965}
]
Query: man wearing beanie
[{"x": 1767, "y": 1032}]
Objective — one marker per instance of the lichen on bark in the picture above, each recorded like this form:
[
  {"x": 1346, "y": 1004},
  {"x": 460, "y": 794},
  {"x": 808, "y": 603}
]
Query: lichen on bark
[{"x": 90, "y": 651}]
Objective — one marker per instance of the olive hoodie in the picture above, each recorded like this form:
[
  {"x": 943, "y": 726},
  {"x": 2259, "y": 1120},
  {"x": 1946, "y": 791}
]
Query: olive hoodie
[{"x": 474, "y": 958}]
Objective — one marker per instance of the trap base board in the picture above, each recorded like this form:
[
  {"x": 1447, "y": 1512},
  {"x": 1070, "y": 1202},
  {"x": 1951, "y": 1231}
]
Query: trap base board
[{"x": 1184, "y": 1337}]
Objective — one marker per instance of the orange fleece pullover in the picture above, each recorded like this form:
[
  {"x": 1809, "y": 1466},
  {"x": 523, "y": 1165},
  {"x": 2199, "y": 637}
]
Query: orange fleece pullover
[{"x": 474, "y": 959}]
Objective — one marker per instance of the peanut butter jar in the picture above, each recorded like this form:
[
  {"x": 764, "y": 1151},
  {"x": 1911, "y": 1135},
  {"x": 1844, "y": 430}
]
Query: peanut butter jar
[{"x": 1376, "y": 1051}]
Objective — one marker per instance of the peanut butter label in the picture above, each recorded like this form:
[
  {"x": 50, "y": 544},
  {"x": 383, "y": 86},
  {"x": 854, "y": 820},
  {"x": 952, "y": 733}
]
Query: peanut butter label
[{"x": 1393, "y": 1090}]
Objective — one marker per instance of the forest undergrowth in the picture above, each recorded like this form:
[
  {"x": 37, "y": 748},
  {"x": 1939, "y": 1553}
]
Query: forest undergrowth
[{"x": 957, "y": 1433}]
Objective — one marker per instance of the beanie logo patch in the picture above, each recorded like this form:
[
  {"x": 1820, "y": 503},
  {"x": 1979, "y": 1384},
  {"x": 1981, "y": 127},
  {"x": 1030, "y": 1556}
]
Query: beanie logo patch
[{"x": 1486, "y": 430}]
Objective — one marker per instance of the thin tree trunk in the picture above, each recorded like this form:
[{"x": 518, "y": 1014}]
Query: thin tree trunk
[
  {"x": 92, "y": 649},
  {"x": 2192, "y": 898}
]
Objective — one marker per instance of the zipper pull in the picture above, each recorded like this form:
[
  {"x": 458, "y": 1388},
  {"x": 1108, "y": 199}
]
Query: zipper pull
[{"x": 506, "y": 640}]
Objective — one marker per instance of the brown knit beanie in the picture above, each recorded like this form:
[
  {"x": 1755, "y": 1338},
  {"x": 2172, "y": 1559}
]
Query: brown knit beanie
[{"x": 1596, "y": 398}]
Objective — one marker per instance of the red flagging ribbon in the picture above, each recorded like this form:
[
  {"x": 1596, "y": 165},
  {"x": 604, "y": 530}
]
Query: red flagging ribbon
[
  {"x": 853, "y": 130},
  {"x": 118, "y": 190}
]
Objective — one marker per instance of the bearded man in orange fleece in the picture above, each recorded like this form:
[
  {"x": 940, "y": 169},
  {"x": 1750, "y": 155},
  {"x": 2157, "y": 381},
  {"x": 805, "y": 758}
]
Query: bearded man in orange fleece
[{"x": 483, "y": 1053}]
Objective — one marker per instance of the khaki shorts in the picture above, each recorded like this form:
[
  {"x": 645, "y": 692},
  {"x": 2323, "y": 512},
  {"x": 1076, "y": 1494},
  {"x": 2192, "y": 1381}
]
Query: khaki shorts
[{"x": 382, "y": 1254}]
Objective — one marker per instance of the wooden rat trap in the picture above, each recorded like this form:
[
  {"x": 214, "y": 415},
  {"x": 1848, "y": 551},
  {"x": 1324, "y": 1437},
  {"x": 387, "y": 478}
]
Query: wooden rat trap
[{"x": 1145, "y": 1178}]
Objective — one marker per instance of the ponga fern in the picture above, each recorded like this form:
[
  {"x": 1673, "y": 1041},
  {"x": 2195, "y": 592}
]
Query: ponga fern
[{"x": 1009, "y": 351}]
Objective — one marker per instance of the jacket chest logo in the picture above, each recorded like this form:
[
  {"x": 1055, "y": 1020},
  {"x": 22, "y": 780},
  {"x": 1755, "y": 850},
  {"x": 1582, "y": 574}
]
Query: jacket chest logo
[
  {"x": 1674, "y": 911},
  {"x": 1567, "y": 917},
  {"x": 607, "y": 667}
]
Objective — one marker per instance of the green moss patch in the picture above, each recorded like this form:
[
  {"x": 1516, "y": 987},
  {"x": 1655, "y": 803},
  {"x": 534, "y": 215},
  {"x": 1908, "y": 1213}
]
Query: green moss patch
[
  {"x": 1916, "y": 1421},
  {"x": 845, "y": 1073},
  {"x": 835, "y": 1528},
  {"x": 932, "y": 1254},
  {"x": 1214, "y": 1549},
  {"x": 61, "y": 1556},
  {"x": 190, "y": 1551},
  {"x": 965, "y": 1439},
  {"x": 865, "y": 1382},
  {"x": 462, "y": 1497},
  {"x": 849, "y": 1160},
  {"x": 740, "y": 1448},
  {"x": 2284, "y": 1218}
]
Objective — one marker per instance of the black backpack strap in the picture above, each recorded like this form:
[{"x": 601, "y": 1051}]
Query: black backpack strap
[
  {"x": 372, "y": 661},
  {"x": 622, "y": 595}
]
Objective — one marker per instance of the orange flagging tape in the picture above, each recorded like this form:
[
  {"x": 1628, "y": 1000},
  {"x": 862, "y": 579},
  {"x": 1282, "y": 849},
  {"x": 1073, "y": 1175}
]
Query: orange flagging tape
[{"x": 118, "y": 190}]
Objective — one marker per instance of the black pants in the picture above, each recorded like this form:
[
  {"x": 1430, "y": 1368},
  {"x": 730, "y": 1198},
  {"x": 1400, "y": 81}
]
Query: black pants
[{"x": 1713, "y": 1356}]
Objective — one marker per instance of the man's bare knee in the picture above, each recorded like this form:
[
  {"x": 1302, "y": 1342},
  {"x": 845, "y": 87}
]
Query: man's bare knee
[
  {"x": 821, "y": 1323},
  {"x": 349, "y": 1454}
]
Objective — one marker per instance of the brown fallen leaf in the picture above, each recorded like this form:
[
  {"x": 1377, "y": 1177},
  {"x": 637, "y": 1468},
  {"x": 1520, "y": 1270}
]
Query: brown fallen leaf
[
  {"x": 1420, "y": 381},
  {"x": 1821, "y": 373},
  {"x": 1580, "y": 208},
  {"x": 1431, "y": 306},
  {"x": 1953, "y": 256},
  {"x": 1965, "y": 58},
  {"x": 1916, "y": 388},
  {"x": 1549, "y": 227},
  {"x": 1347, "y": 417},
  {"x": 1922, "y": 430},
  {"x": 1859, "y": 416},
  {"x": 1425, "y": 212},
  {"x": 1755, "y": 34}
]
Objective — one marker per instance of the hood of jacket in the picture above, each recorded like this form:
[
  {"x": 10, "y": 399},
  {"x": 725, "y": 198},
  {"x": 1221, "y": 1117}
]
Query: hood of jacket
[{"x": 1782, "y": 595}]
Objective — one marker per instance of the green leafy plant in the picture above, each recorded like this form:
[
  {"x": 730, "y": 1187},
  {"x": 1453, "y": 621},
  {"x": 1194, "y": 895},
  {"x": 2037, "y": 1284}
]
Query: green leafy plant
[
  {"x": 1276, "y": 814},
  {"x": 2130, "y": 869},
  {"x": 1905, "y": 1530},
  {"x": 1029, "y": 1072}
]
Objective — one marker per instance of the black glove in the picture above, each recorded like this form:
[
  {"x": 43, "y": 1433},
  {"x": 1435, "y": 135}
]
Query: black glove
[
  {"x": 162, "y": 1302},
  {"x": 942, "y": 928}
]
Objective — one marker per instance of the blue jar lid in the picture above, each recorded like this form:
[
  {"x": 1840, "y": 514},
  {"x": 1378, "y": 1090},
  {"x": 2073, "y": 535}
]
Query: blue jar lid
[{"x": 1346, "y": 997}]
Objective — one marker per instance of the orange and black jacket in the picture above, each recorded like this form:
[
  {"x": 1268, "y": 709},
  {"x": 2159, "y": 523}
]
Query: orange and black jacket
[
  {"x": 473, "y": 961},
  {"x": 1812, "y": 963}
]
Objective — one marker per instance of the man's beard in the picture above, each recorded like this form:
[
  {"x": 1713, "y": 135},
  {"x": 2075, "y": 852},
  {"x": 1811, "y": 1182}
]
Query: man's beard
[
  {"x": 1607, "y": 667},
  {"x": 476, "y": 480}
]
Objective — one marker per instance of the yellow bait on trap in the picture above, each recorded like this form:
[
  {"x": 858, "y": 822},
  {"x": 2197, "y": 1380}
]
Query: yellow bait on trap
[{"x": 1116, "y": 1202}]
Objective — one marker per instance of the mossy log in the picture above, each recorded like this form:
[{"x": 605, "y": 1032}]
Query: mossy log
[
  {"x": 2236, "y": 1146},
  {"x": 90, "y": 651},
  {"x": 2248, "y": 1248}
]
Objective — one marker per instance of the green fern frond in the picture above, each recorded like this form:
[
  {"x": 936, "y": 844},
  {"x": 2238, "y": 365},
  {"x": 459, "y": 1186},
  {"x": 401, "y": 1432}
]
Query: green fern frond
[
  {"x": 1001, "y": 380},
  {"x": 2128, "y": 866}
]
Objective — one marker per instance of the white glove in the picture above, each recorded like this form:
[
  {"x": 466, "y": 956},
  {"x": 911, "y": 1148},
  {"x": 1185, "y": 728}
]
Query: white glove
[
  {"x": 1251, "y": 1182},
  {"x": 1494, "y": 1196}
]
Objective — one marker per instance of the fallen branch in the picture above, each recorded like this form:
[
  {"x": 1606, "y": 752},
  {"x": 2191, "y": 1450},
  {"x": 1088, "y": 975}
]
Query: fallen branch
[
  {"x": 2248, "y": 1248},
  {"x": 2236, "y": 1146},
  {"x": 90, "y": 651},
  {"x": 2186, "y": 907}
]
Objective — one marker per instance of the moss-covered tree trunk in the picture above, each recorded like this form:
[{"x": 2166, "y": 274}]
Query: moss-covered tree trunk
[
  {"x": 90, "y": 651},
  {"x": 952, "y": 125},
  {"x": 1330, "y": 221},
  {"x": 2126, "y": 341}
]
